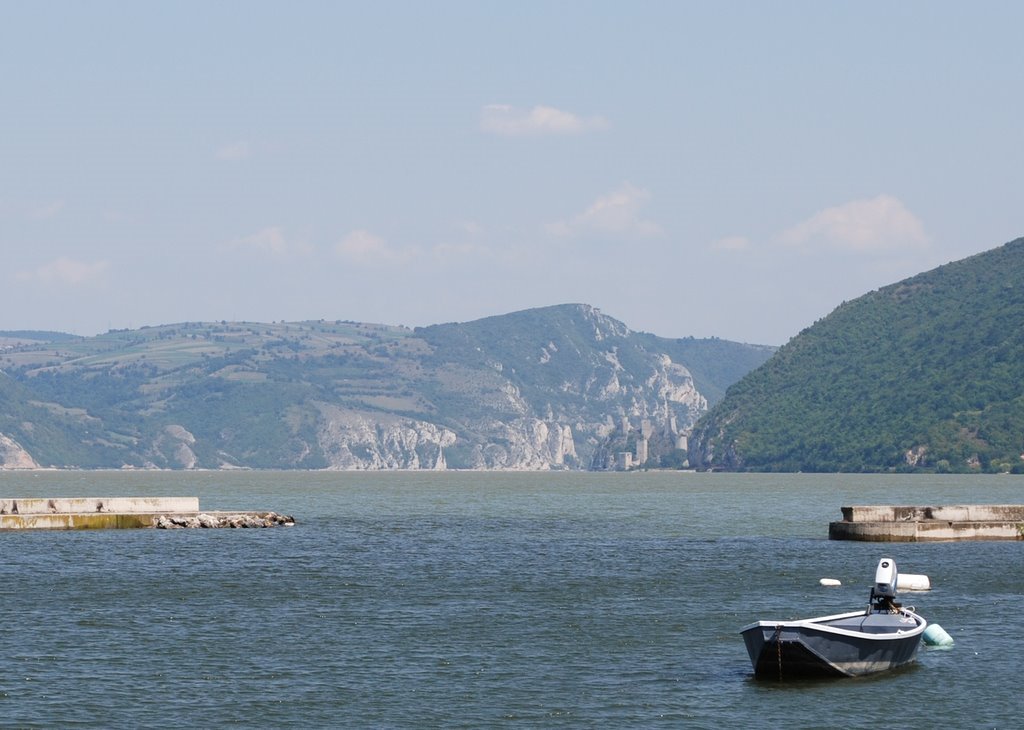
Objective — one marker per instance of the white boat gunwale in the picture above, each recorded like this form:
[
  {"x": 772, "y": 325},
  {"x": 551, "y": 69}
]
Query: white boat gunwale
[{"x": 920, "y": 624}]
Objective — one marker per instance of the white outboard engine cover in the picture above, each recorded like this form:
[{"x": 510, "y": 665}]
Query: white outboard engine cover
[{"x": 885, "y": 578}]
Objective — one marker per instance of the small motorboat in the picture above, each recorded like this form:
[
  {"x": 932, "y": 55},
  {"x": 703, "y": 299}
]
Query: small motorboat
[{"x": 884, "y": 636}]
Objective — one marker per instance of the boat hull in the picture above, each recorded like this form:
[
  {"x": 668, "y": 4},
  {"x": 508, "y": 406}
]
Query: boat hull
[{"x": 845, "y": 645}]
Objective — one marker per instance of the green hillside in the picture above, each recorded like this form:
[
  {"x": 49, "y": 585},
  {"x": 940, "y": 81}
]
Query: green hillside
[
  {"x": 14, "y": 336},
  {"x": 925, "y": 374}
]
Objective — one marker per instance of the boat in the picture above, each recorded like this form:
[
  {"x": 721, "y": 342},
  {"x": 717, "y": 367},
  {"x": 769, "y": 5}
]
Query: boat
[{"x": 884, "y": 636}]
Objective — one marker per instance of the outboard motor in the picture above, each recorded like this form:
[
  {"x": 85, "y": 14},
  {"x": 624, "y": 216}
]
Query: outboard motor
[
  {"x": 885, "y": 578},
  {"x": 883, "y": 592}
]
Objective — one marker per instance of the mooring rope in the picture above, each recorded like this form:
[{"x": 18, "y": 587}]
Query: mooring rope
[{"x": 776, "y": 637}]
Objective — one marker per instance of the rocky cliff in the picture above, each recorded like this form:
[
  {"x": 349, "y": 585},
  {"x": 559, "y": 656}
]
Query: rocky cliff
[{"x": 13, "y": 456}]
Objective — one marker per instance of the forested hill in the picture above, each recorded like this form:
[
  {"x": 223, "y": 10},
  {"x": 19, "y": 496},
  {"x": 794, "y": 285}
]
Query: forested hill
[
  {"x": 925, "y": 374},
  {"x": 563, "y": 387}
]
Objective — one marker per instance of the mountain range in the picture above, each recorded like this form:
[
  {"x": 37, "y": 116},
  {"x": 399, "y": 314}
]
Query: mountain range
[{"x": 561, "y": 387}]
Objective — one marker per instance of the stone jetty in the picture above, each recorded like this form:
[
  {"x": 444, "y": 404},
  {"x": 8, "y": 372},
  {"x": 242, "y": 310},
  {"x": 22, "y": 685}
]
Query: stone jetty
[
  {"x": 889, "y": 523},
  {"x": 91, "y": 513},
  {"x": 224, "y": 519}
]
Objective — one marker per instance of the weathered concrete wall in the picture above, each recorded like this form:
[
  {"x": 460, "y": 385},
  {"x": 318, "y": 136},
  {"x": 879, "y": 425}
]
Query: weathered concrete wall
[
  {"x": 97, "y": 513},
  {"x": 873, "y": 531},
  {"x": 79, "y": 521},
  {"x": 949, "y": 513},
  {"x": 891, "y": 523},
  {"x": 924, "y": 531},
  {"x": 93, "y": 505}
]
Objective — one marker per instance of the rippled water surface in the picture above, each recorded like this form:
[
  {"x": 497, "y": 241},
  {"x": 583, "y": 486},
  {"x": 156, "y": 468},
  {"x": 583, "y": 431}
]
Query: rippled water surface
[{"x": 481, "y": 600}]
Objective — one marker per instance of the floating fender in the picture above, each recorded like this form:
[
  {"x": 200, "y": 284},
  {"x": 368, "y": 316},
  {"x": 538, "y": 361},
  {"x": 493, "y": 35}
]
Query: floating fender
[
  {"x": 830, "y": 582},
  {"x": 911, "y": 582},
  {"x": 935, "y": 635}
]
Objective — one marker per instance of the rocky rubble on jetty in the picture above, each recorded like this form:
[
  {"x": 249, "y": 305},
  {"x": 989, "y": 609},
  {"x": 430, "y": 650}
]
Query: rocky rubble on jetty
[{"x": 206, "y": 520}]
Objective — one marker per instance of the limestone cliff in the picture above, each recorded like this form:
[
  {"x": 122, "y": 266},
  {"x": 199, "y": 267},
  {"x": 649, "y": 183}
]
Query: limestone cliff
[
  {"x": 174, "y": 446},
  {"x": 352, "y": 440},
  {"x": 560, "y": 406},
  {"x": 527, "y": 444},
  {"x": 13, "y": 456}
]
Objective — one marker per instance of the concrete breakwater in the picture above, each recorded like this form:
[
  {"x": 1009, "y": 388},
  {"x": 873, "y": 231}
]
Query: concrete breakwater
[
  {"x": 891, "y": 523},
  {"x": 89, "y": 513}
]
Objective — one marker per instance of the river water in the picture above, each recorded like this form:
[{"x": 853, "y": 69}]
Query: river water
[{"x": 489, "y": 600}]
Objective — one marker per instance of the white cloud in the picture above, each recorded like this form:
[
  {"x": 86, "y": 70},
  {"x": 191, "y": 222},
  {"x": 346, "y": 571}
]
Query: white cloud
[
  {"x": 66, "y": 271},
  {"x": 880, "y": 224},
  {"x": 731, "y": 243},
  {"x": 617, "y": 213},
  {"x": 47, "y": 211},
  {"x": 470, "y": 228},
  {"x": 362, "y": 247},
  {"x": 511, "y": 121},
  {"x": 272, "y": 240},
  {"x": 234, "y": 151}
]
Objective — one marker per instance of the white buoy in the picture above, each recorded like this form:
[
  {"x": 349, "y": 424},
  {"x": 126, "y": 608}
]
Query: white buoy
[
  {"x": 935, "y": 635},
  {"x": 830, "y": 582},
  {"x": 911, "y": 582}
]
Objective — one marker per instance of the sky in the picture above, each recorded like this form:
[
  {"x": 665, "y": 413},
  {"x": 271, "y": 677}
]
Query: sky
[{"x": 727, "y": 169}]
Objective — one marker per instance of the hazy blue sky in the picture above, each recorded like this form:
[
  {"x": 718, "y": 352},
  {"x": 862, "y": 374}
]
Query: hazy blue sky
[{"x": 709, "y": 169}]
